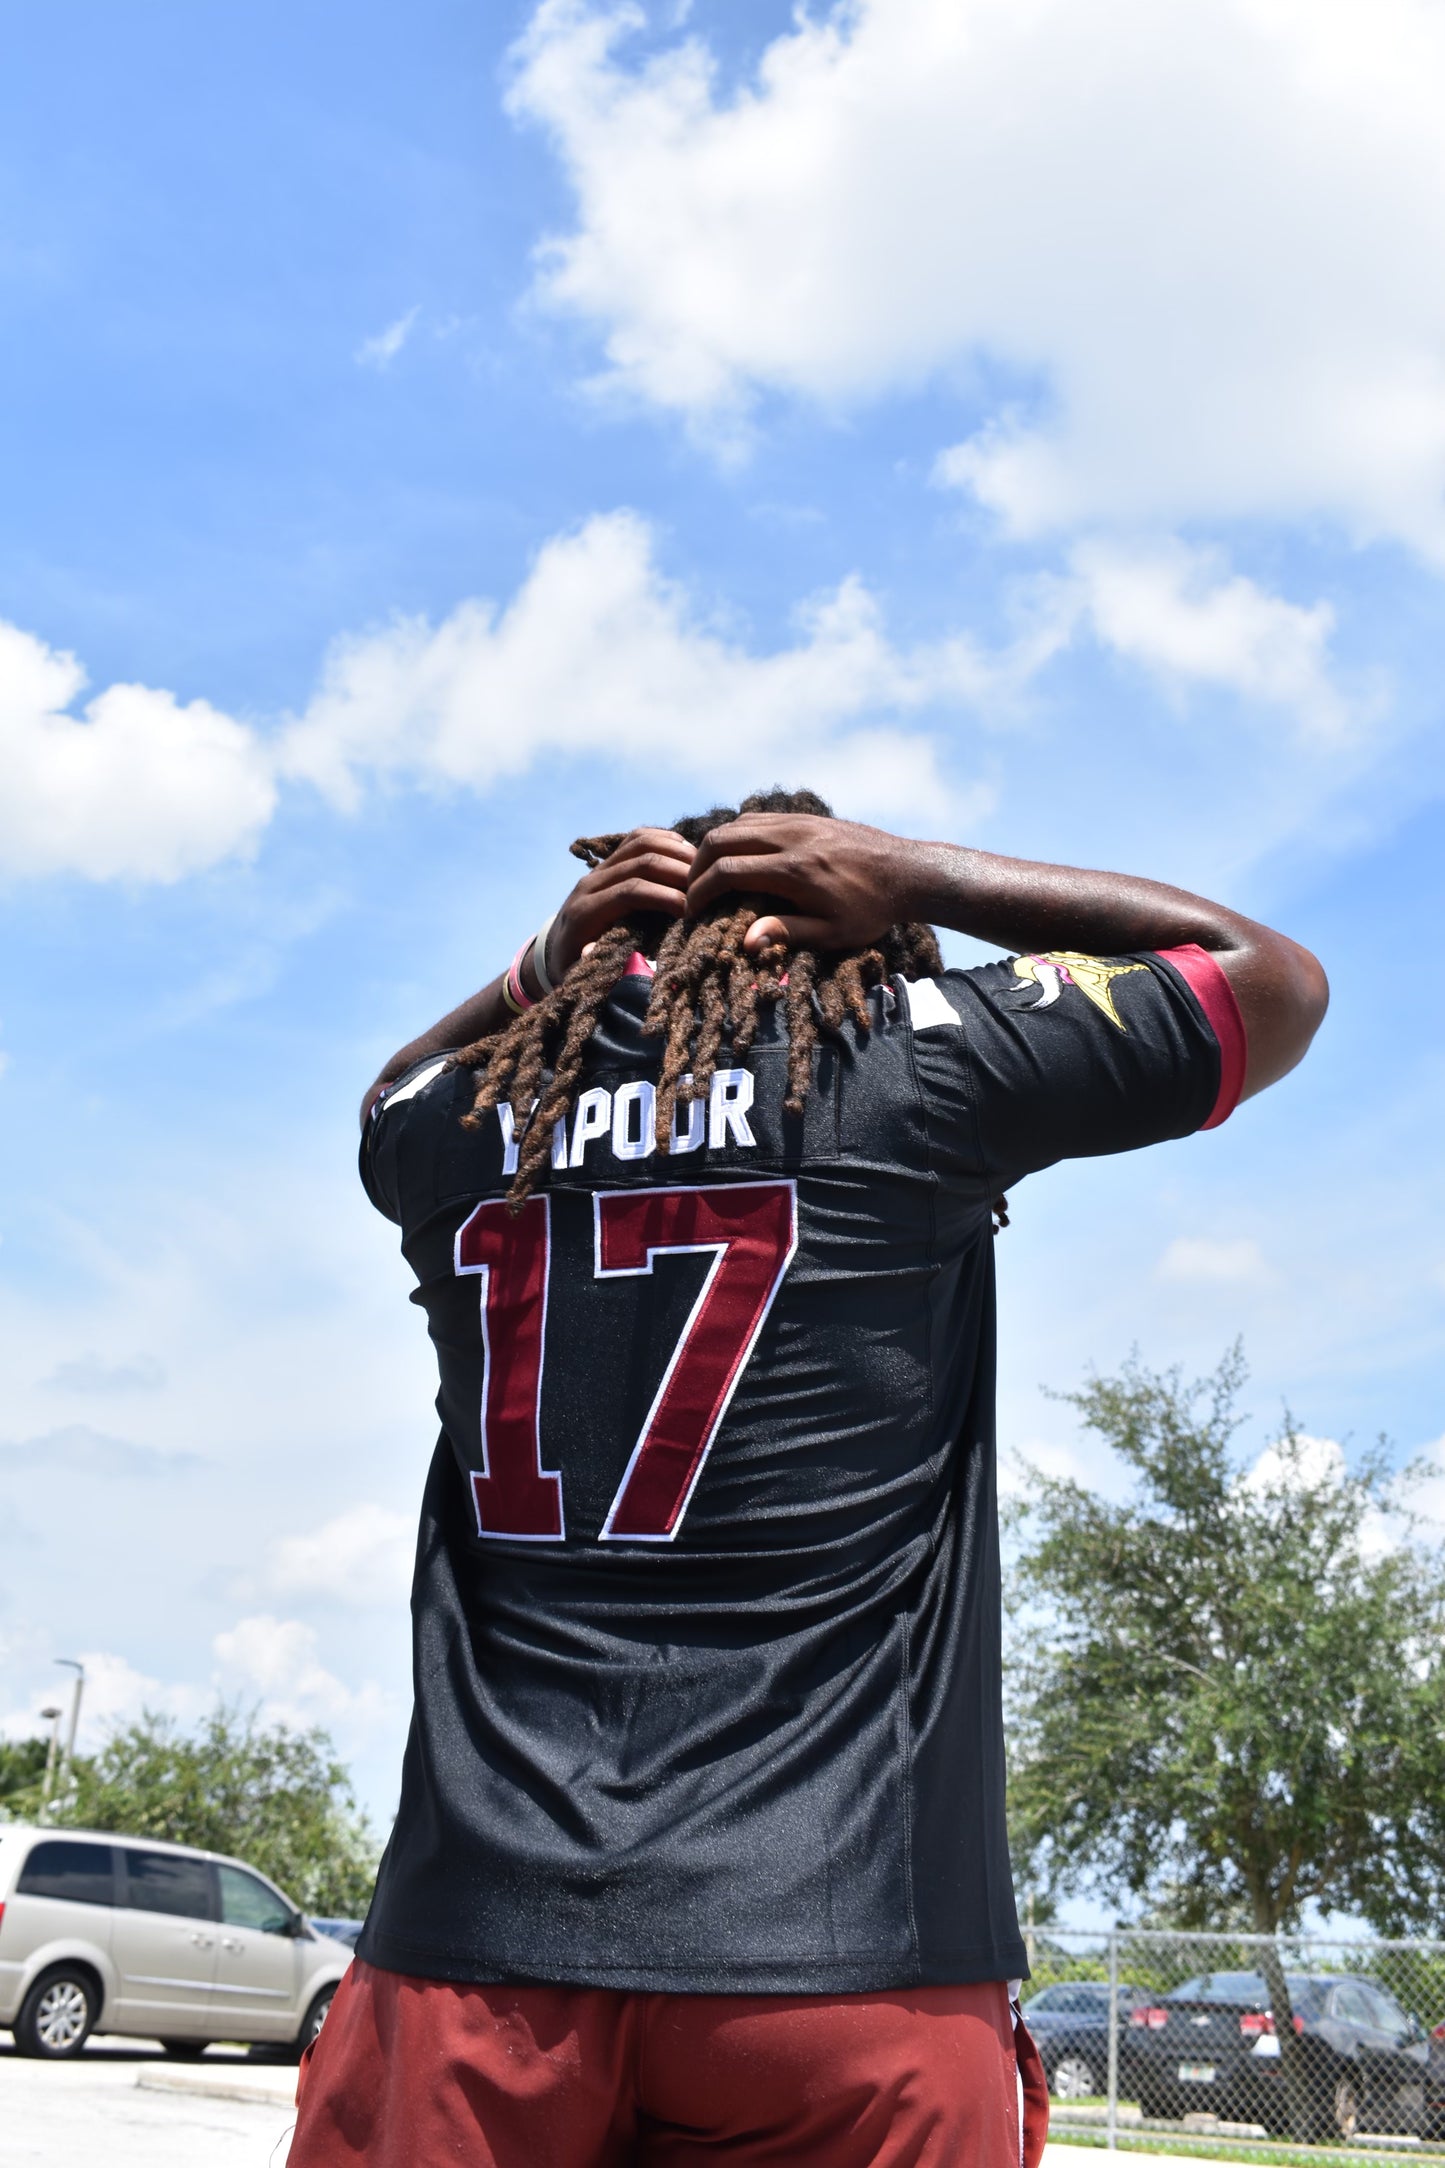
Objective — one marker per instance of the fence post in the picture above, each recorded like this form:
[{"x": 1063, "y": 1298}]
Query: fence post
[{"x": 1112, "y": 2125}]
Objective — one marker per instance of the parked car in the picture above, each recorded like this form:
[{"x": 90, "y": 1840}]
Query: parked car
[
  {"x": 1212, "y": 2044},
  {"x": 347, "y": 1931},
  {"x": 157, "y": 1940},
  {"x": 1435, "y": 2085},
  {"x": 1070, "y": 2022}
]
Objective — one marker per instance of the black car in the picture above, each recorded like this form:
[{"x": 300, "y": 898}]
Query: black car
[
  {"x": 1435, "y": 2086},
  {"x": 345, "y": 1931},
  {"x": 1070, "y": 2022},
  {"x": 1211, "y": 2044}
]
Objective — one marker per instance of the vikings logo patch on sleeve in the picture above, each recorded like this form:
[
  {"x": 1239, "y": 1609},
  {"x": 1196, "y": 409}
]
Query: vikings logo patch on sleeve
[{"x": 1092, "y": 975}]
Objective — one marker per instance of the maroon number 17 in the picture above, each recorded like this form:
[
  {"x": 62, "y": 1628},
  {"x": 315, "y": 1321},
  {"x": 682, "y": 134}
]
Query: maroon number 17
[{"x": 750, "y": 1229}]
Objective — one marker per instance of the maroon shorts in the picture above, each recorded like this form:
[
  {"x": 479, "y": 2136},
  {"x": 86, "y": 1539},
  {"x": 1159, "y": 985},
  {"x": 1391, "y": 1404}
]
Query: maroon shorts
[{"x": 422, "y": 2074}]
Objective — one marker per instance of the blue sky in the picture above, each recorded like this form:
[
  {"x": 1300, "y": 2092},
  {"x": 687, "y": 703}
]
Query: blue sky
[{"x": 428, "y": 437}]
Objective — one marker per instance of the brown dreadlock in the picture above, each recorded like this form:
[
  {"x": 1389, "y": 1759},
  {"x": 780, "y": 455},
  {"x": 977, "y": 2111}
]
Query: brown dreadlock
[{"x": 706, "y": 989}]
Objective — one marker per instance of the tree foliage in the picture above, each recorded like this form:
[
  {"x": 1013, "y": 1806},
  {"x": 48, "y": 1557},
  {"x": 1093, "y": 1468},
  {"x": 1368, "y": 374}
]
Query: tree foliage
[
  {"x": 278, "y": 1799},
  {"x": 22, "y": 1765},
  {"x": 1228, "y": 1691}
]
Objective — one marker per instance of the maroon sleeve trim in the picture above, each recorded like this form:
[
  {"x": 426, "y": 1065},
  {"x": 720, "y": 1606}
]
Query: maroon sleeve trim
[{"x": 1211, "y": 989}]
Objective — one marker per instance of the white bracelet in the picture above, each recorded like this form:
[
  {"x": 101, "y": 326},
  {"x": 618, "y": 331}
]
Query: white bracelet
[{"x": 539, "y": 955}]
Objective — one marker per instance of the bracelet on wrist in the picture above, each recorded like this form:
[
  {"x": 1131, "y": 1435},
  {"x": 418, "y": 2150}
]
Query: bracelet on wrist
[
  {"x": 514, "y": 993},
  {"x": 539, "y": 954}
]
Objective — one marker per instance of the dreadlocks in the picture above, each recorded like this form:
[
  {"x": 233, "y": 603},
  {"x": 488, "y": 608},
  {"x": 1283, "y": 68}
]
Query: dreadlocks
[{"x": 706, "y": 990}]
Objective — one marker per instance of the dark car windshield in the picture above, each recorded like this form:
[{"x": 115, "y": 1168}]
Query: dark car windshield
[
  {"x": 1078, "y": 1996},
  {"x": 1247, "y": 1989}
]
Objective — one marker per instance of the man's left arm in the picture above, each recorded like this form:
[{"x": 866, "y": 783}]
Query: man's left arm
[
  {"x": 645, "y": 876},
  {"x": 841, "y": 883}
]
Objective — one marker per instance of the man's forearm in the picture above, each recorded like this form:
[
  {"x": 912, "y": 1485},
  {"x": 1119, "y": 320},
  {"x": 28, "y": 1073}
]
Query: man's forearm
[
  {"x": 1014, "y": 903},
  {"x": 1021, "y": 904}
]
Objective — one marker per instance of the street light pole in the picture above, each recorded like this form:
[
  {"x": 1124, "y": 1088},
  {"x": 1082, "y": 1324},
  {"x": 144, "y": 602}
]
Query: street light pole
[
  {"x": 78, "y": 1668},
  {"x": 51, "y": 1717}
]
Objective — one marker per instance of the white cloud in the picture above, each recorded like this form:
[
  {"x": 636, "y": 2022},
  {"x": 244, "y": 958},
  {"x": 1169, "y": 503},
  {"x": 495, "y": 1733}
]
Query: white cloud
[
  {"x": 79, "y": 1449},
  {"x": 273, "y": 1299},
  {"x": 1197, "y": 241},
  {"x": 115, "y": 1692},
  {"x": 363, "y": 1556},
  {"x": 92, "y": 1373},
  {"x": 275, "y": 1661},
  {"x": 1303, "y": 1463},
  {"x": 598, "y": 654},
  {"x": 1059, "y": 1460},
  {"x": 1430, "y": 1499},
  {"x": 380, "y": 351},
  {"x": 265, "y": 1660},
  {"x": 1181, "y": 613},
  {"x": 1198, "y": 1258},
  {"x": 142, "y": 788}
]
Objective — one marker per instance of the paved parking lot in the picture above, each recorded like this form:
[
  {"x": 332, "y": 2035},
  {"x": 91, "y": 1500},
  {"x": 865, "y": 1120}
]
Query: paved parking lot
[{"x": 127, "y": 2106}]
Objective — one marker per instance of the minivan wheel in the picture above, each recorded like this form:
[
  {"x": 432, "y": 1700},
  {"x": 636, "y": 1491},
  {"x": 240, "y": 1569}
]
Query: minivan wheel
[
  {"x": 314, "y": 2020},
  {"x": 58, "y": 2013},
  {"x": 1073, "y": 2078}
]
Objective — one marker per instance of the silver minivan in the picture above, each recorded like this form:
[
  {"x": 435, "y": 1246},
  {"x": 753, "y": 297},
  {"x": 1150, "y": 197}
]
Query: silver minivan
[{"x": 135, "y": 1936}]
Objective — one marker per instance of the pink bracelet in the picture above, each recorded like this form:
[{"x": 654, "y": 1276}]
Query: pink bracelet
[{"x": 517, "y": 997}]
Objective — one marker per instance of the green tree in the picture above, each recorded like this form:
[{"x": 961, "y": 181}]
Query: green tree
[
  {"x": 22, "y": 1765},
  {"x": 278, "y": 1799},
  {"x": 1227, "y": 1691}
]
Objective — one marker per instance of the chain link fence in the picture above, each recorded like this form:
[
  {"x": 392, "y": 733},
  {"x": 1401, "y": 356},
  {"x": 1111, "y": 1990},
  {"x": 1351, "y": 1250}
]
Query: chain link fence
[{"x": 1241, "y": 2046}]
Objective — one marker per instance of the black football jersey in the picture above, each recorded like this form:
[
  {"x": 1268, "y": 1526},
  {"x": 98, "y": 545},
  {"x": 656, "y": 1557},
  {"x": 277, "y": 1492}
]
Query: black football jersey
[{"x": 707, "y": 1665}]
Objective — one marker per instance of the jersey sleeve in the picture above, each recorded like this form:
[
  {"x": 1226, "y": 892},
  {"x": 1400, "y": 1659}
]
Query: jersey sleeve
[
  {"x": 1066, "y": 1056},
  {"x": 380, "y": 1175}
]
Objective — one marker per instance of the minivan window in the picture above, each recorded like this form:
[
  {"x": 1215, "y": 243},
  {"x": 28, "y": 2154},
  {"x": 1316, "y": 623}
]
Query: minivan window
[
  {"x": 247, "y": 1902},
  {"x": 59, "y": 1867},
  {"x": 168, "y": 1882}
]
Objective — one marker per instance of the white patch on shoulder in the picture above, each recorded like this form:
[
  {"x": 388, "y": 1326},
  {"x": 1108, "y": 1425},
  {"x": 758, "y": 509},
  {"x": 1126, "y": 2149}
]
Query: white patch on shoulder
[
  {"x": 418, "y": 1083},
  {"x": 929, "y": 1008}
]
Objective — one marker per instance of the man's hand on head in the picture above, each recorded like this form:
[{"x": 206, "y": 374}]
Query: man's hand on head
[
  {"x": 841, "y": 884},
  {"x": 647, "y": 873}
]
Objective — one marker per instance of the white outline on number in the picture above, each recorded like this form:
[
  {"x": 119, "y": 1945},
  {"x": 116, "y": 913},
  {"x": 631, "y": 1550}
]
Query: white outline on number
[
  {"x": 483, "y": 1474},
  {"x": 687, "y": 1249}
]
